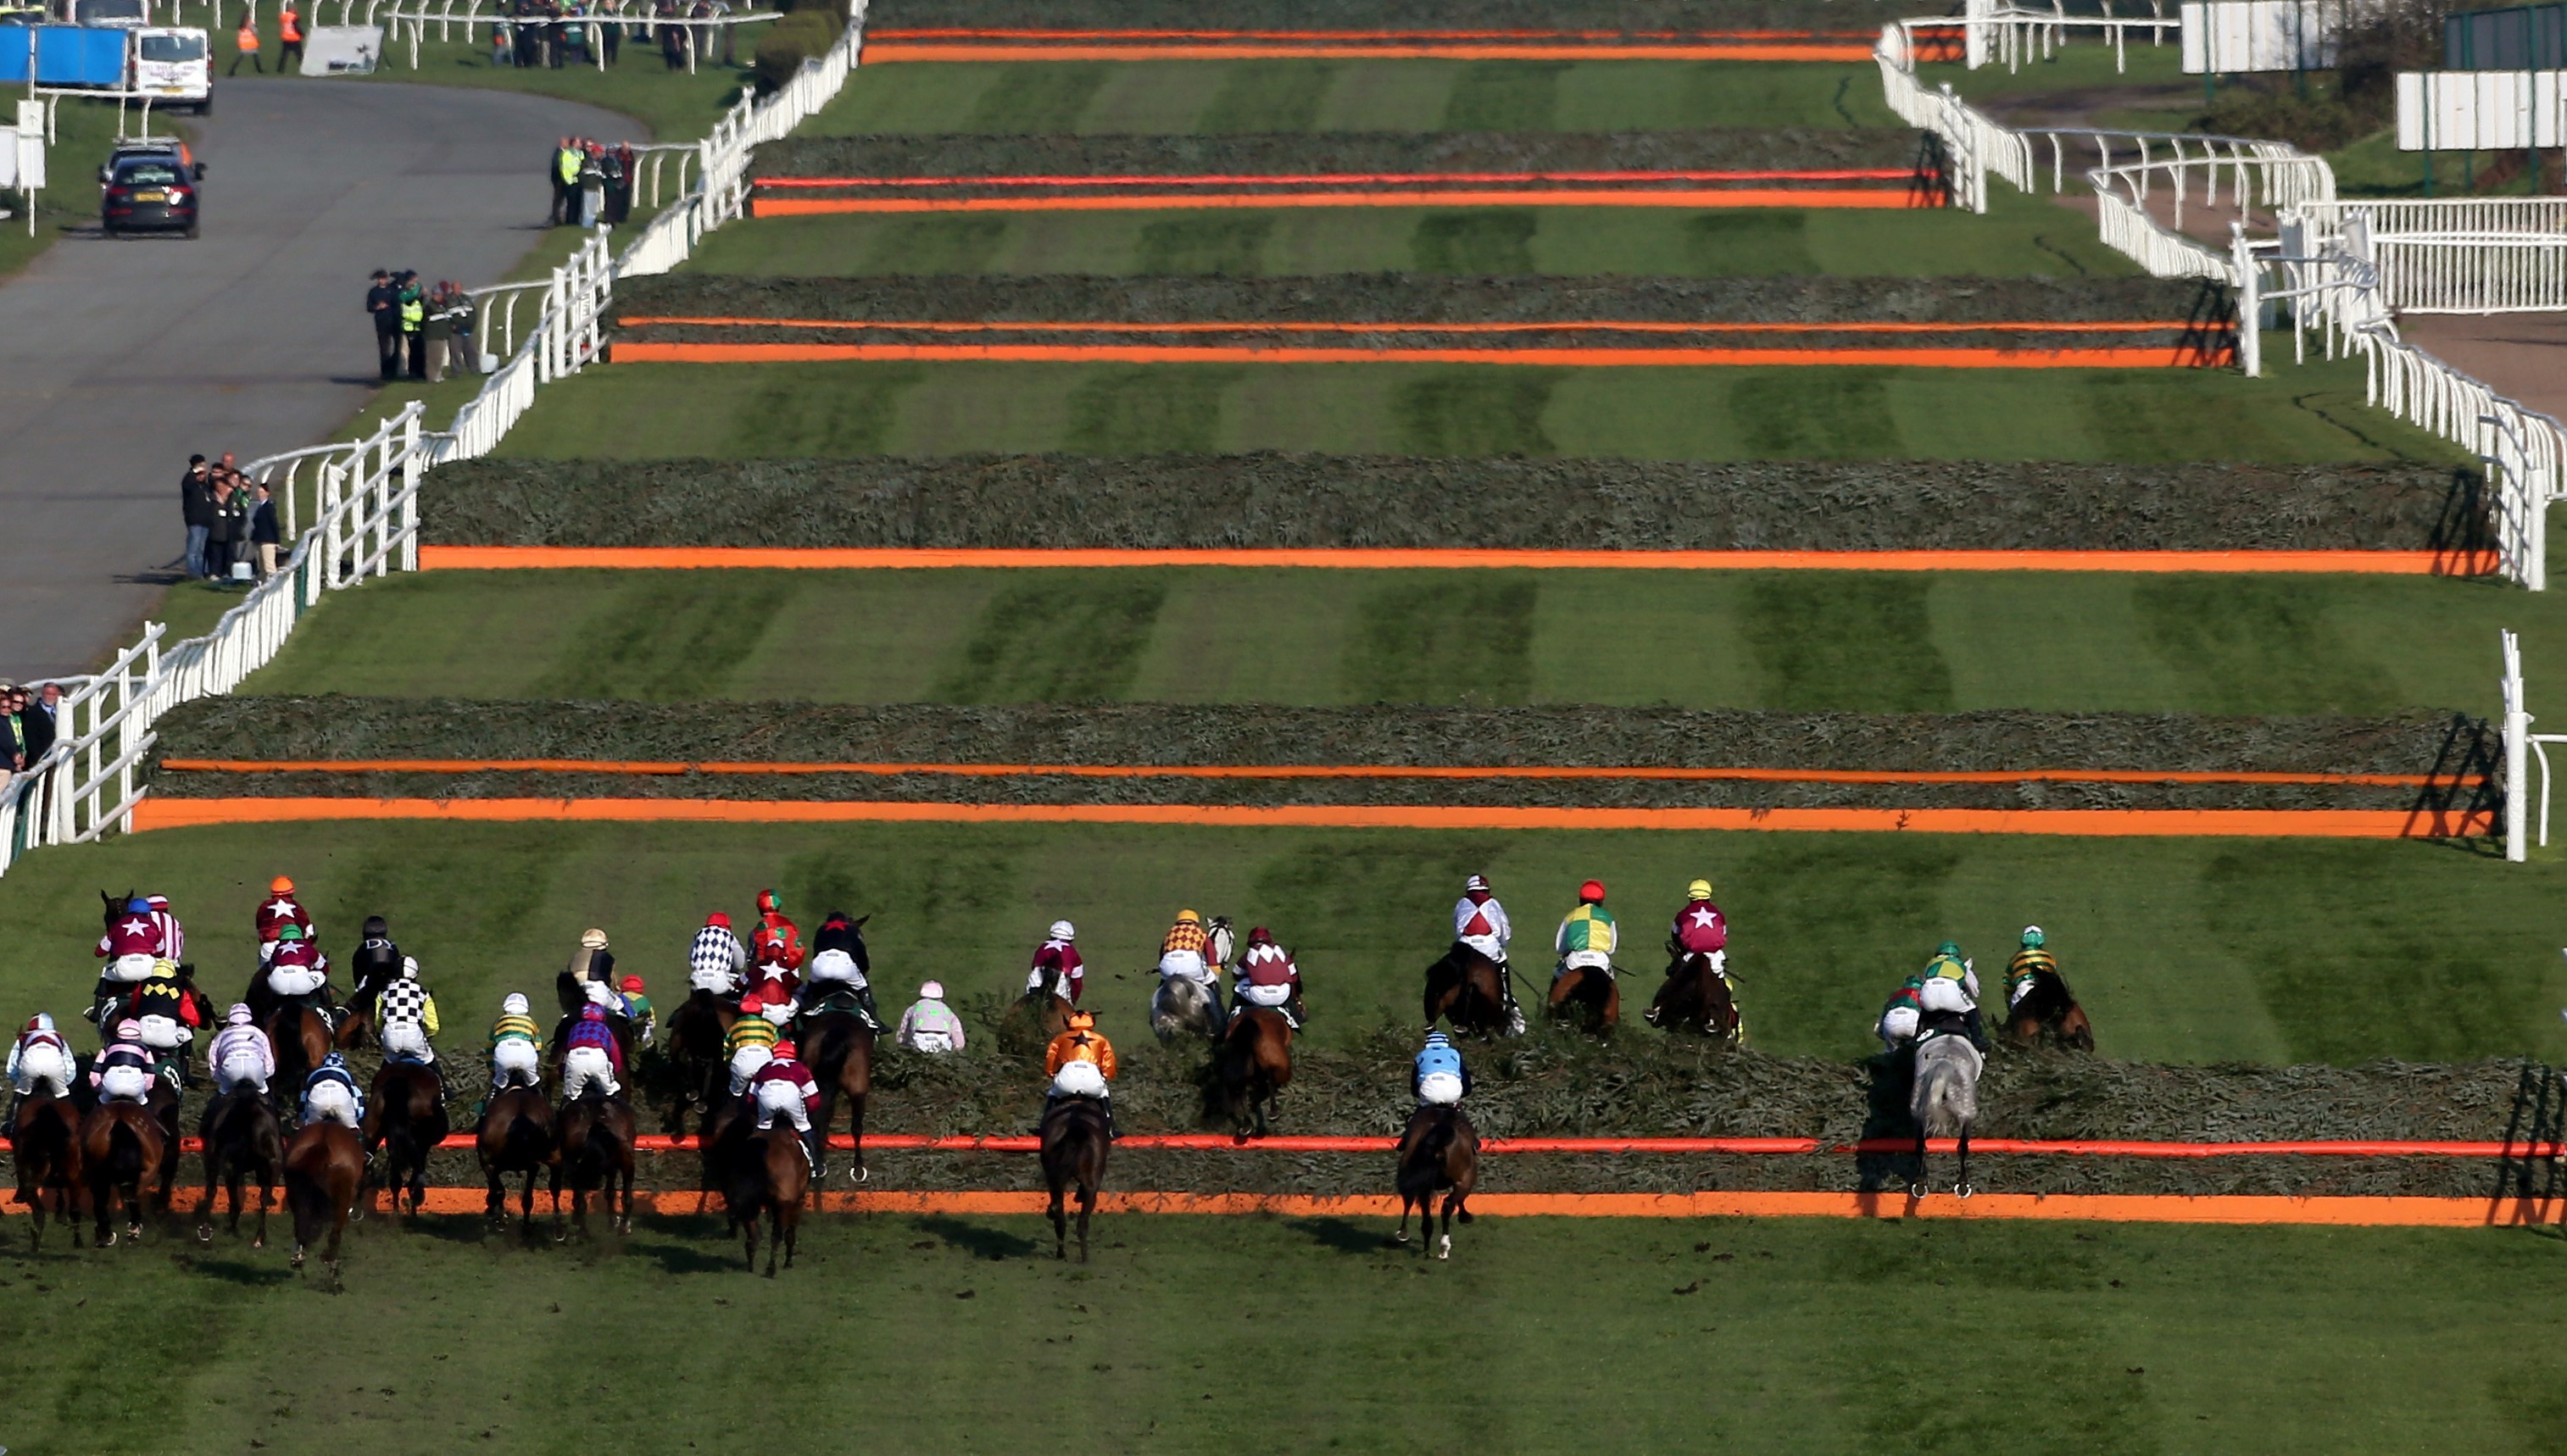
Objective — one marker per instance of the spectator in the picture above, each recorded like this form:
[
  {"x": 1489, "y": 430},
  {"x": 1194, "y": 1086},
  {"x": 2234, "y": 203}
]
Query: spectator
[
  {"x": 591, "y": 185},
  {"x": 196, "y": 502},
  {"x": 622, "y": 165},
  {"x": 245, "y": 44},
  {"x": 672, "y": 38},
  {"x": 561, "y": 169},
  {"x": 14, "y": 757},
  {"x": 467, "y": 340},
  {"x": 36, "y": 719},
  {"x": 382, "y": 301},
  {"x": 729, "y": 34},
  {"x": 440, "y": 331},
  {"x": 221, "y": 536},
  {"x": 610, "y": 27},
  {"x": 412, "y": 306},
  {"x": 289, "y": 36},
  {"x": 263, "y": 535}
]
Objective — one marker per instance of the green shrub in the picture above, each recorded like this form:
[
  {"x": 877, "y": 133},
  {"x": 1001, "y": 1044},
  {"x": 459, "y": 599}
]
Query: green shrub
[{"x": 800, "y": 36}]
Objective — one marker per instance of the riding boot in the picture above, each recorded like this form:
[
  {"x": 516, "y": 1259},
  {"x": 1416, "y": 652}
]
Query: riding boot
[
  {"x": 814, "y": 1145},
  {"x": 873, "y": 1017},
  {"x": 1112, "y": 1133}
]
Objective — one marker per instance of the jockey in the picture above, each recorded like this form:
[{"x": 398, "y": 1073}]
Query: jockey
[
  {"x": 296, "y": 968},
  {"x": 717, "y": 959},
  {"x": 839, "y": 932},
  {"x": 241, "y": 1056},
  {"x": 1267, "y": 977},
  {"x": 1058, "y": 957},
  {"x": 779, "y": 942},
  {"x": 592, "y": 963},
  {"x": 407, "y": 1017},
  {"x": 277, "y": 911},
  {"x": 930, "y": 1025},
  {"x": 1897, "y": 1025},
  {"x": 2028, "y": 962},
  {"x": 834, "y": 976},
  {"x": 1587, "y": 937},
  {"x": 1182, "y": 952},
  {"x": 375, "y": 965},
  {"x": 40, "y": 1060},
  {"x": 749, "y": 1044},
  {"x": 123, "y": 1073},
  {"x": 1949, "y": 983},
  {"x": 516, "y": 1047},
  {"x": 331, "y": 1093},
  {"x": 1442, "y": 1078},
  {"x": 174, "y": 936},
  {"x": 1699, "y": 929},
  {"x": 1479, "y": 923},
  {"x": 131, "y": 945},
  {"x": 589, "y": 1056},
  {"x": 636, "y": 1009},
  {"x": 1081, "y": 1064},
  {"x": 166, "y": 1018},
  {"x": 786, "y": 1086}
]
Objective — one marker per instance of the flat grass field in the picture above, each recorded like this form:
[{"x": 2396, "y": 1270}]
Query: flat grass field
[
  {"x": 1540, "y": 1335},
  {"x": 676, "y": 106},
  {"x": 1857, "y": 640},
  {"x": 2182, "y": 950},
  {"x": 1180, "y": 97},
  {"x": 2017, "y": 238},
  {"x": 1803, "y": 412}
]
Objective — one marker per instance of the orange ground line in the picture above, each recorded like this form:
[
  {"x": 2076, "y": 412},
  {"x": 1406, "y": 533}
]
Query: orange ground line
[
  {"x": 2375, "y": 1212},
  {"x": 1311, "y": 179},
  {"x": 796, "y": 558},
  {"x": 916, "y": 33},
  {"x": 164, "y": 813},
  {"x": 878, "y": 52},
  {"x": 1564, "y": 326},
  {"x": 1698, "y": 197},
  {"x": 2179, "y": 357},
  {"x": 668, "y": 767}
]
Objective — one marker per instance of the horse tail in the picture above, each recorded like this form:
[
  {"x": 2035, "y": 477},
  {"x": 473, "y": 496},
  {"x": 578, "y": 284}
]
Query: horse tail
[{"x": 1437, "y": 1144}]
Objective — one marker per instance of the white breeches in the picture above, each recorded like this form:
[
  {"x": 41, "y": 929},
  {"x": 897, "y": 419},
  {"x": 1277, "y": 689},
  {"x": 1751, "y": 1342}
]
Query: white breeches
[
  {"x": 240, "y": 1070},
  {"x": 1440, "y": 1089},
  {"x": 124, "y": 1085},
  {"x": 512, "y": 1064},
  {"x": 1266, "y": 995},
  {"x": 1060, "y": 988},
  {"x": 130, "y": 968},
  {"x": 847, "y": 975},
  {"x": 1186, "y": 965},
  {"x": 777, "y": 1012},
  {"x": 1942, "y": 993},
  {"x": 407, "y": 1039},
  {"x": 1587, "y": 960},
  {"x": 746, "y": 1063},
  {"x": 584, "y": 1065},
  {"x": 774, "y": 1098},
  {"x": 1080, "y": 1080},
  {"x": 1487, "y": 945},
  {"x": 330, "y": 1102},
  {"x": 46, "y": 1068},
  {"x": 295, "y": 980},
  {"x": 165, "y": 1033},
  {"x": 720, "y": 983},
  {"x": 1898, "y": 1026}
]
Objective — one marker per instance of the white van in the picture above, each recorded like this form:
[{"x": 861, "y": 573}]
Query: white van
[{"x": 172, "y": 65}]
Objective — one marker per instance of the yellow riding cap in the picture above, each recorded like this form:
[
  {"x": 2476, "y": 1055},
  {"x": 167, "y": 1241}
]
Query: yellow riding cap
[
  {"x": 1700, "y": 889},
  {"x": 1188, "y": 917}
]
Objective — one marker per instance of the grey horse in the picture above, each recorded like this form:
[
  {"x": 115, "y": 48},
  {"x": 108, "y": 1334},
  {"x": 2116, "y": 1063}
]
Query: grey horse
[
  {"x": 1185, "y": 1008},
  {"x": 1944, "y": 1096}
]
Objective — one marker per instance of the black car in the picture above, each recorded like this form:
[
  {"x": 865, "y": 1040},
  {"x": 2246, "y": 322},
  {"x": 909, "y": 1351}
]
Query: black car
[{"x": 154, "y": 192}]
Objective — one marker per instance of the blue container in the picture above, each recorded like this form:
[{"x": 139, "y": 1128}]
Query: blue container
[{"x": 80, "y": 55}]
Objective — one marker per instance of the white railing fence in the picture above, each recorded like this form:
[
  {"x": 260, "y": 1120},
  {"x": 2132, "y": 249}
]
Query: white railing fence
[{"x": 366, "y": 490}]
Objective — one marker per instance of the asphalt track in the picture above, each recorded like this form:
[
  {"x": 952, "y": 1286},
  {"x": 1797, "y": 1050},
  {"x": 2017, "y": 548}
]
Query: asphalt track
[{"x": 119, "y": 358}]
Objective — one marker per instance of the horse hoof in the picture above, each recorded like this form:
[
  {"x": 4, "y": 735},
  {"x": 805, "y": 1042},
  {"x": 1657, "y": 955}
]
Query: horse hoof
[
  {"x": 204, "y": 1233},
  {"x": 258, "y": 1243},
  {"x": 1917, "y": 1190},
  {"x": 1400, "y": 1236},
  {"x": 1962, "y": 1190},
  {"x": 133, "y": 1231},
  {"x": 862, "y": 1173},
  {"x": 297, "y": 1262},
  {"x": 1444, "y": 1249},
  {"x": 107, "y": 1240}
]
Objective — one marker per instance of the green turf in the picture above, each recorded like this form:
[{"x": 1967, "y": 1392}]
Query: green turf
[
  {"x": 1829, "y": 412},
  {"x": 1879, "y": 643},
  {"x": 1178, "y": 96},
  {"x": 2020, "y": 236},
  {"x": 2182, "y": 950},
  {"x": 675, "y": 105},
  {"x": 962, "y": 1335}
]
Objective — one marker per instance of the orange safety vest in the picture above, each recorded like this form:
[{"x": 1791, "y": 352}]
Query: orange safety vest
[
  {"x": 290, "y": 27},
  {"x": 246, "y": 38}
]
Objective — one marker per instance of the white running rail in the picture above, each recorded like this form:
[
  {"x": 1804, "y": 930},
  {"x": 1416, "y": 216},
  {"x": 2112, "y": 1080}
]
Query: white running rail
[{"x": 365, "y": 492}]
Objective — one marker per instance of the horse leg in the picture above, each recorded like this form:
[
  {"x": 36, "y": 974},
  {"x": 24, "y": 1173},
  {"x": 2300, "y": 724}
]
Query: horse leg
[
  {"x": 554, "y": 1179},
  {"x": 1962, "y": 1189},
  {"x": 205, "y": 1215},
  {"x": 266, "y": 1178},
  {"x": 1444, "y": 1240},
  {"x": 856, "y": 1133},
  {"x": 1059, "y": 1221},
  {"x": 626, "y": 1226},
  {"x": 2076, "y": 1031},
  {"x": 1404, "y": 1204},
  {"x": 1087, "y": 1206},
  {"x": 776, "y": 1233},
  {"x": 1919, "y": 1186},
  {"x": 748, "y": 1228},
  {"x": 498, "y": 1207}
]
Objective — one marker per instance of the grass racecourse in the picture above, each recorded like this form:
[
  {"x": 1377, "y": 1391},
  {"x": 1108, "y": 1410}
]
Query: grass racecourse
[{"x": 1540, "y": 1335}]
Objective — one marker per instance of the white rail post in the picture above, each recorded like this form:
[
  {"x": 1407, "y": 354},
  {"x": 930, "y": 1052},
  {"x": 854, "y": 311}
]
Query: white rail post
[
  {"x": 2517, "y": 742},
  {"x": 2250, "y": 316}
]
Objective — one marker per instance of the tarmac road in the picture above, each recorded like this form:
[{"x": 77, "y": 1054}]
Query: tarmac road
[{"x": 120, "y": 357}]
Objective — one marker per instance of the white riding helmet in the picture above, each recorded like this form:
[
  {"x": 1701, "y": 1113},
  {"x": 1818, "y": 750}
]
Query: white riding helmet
[
  {"x": 931, "y": 990},
  {"x": 410, "y": 968},
  {"x": 238, "y": 1016},
  {"x": 43, "y": 1021},
  {"x": 1064, "y": 930},
  {"x": 514, "y": 1006}
]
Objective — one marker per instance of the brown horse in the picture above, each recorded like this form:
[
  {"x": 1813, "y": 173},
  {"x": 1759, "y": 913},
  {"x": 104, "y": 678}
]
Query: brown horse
[
  {"x": 241, "y": 1136},
  {"x": 1043, "y": 1007},
  {"x": 120, "y": 1147},
  {"x": 596, "y": 1150},
  {"x": 404, "y": 1116},
  {"x": 767, "y": 1174},
  {"x": 515, "y": 1136},
  {"x": 162, "y": 1102},
  {"x": 839, "y": 1049},
  {"x": 1440, "y": 1150},
  {"x": 1469, "y": 989},
  {"x": 1252, "y": 1063},
  {"x": 1695, "y": 998},
  {"x": 1075, "y": 1141},
  {"x": 695, "y": 1047},
  {"x": 301, "y": 1039},
  {"x": 353, "y": 1023},
  {"x": 324, "y": 1167},
  {"x": 44, "y": 1141},
  {"x": 2048, "y": 1012},
  {"x": 1587, "y": 997}
]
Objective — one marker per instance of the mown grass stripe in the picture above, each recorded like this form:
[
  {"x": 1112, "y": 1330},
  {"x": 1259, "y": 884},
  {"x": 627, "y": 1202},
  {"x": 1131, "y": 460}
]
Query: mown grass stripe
[
  {"x": 674, "y": 558},
  {"x": 1693, "y": 198},
  {"x": 2183, "y": 355}
]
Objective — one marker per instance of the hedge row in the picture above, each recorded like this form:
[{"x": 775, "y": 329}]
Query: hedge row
[
  {"x": 1358, "y": 153},
  {"x": 1270, "y": 500},
  {"x": 1421, "y": 298},
  {"x": 1604, "y": 15},
  {"x": 336, "y": 727}
]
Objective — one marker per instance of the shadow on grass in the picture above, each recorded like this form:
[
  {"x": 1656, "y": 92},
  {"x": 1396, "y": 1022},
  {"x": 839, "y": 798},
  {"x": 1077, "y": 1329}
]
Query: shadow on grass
[
  {"x": 981, "y": 1241},
  {"x": 245, "y": 1274},
  {"x": 1343, "y": 1235}
]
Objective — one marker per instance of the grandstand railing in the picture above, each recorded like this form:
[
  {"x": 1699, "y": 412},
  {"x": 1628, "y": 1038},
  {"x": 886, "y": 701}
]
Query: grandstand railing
[{"x": 366, "y": 490}]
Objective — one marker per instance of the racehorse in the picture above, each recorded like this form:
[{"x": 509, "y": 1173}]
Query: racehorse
[
  {"x": 406, "y": 1118},
  {"x": 1440, "y": 1150},
  {"x": 1944, "y": 1093},
  {"x": 1252, "y": 1063},
  {"x": 515, "y": 1136},
  {"x": 1185, "y": 1007},
  {"x": 1044, "y": 1006},
  {"x": 839, "y": 1049},
  {"x": 1695, "y": 998},
  {"x": 241, "y": 1136},
  {"x": 1588, "y": 997},
  {"x": 301, "y": 1039},
  {"x": 323, "y": 1169},
  {"x": 596, "y": 1150},
  {"x": 1469, "y": 988},
  {"x": 767, "y": 1174},
  {"x": 1075, "y": 1141},
  {"x": 2047, "y": 1010},
  {"x": 162, "y": 1102},
  {"x": 120, "y": 1147},
  {"x": 44, "y": 1141},
  {"x": 696, "y": 1029},
  {"x": 372, "y": 965}
]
